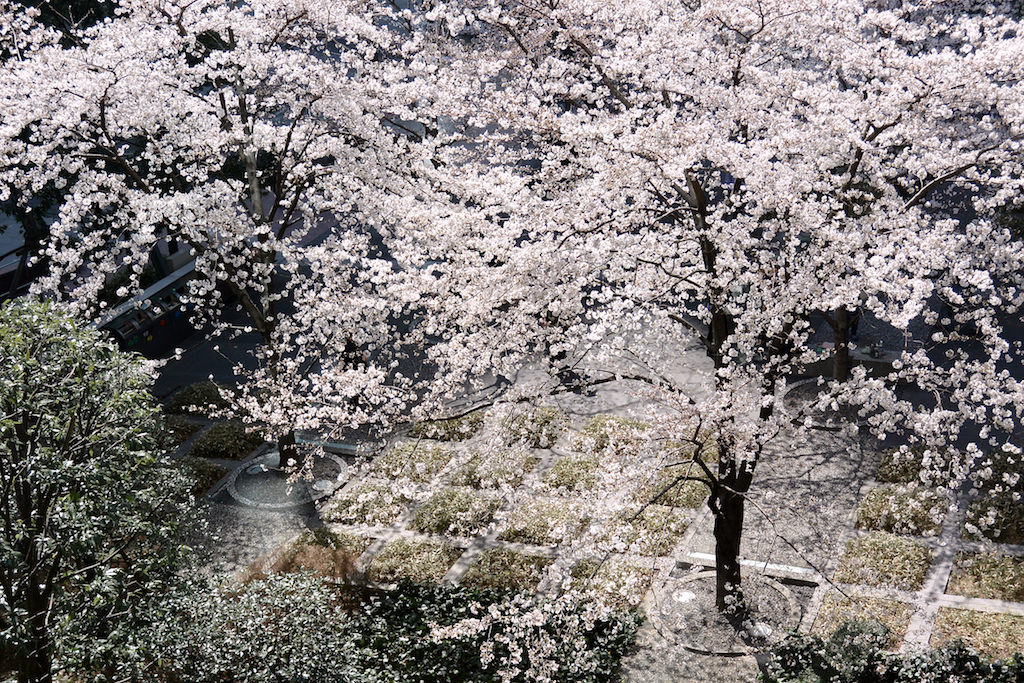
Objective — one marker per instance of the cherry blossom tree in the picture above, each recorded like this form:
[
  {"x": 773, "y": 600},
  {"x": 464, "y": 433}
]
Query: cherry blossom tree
[
  {"x": 724, "y": 169},
  {"x": 270, "y": 139}
]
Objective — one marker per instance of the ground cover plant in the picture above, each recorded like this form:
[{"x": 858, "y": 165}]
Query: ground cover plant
[
  {"x": 227, "y": 440},
  {"x": 295, "y": 627},
  {"x": 574, "y": 472},
  {"x": 371, "y": 502},
  {"x": 201, "y": 398},
  {"x": 855, "y": 653},
  {"x": 918, "y": 464},
  {"x": 835, "y": 610},
  {"x": 415, "y": 560},
  {"x": 997, "y": 517},
  {"x": 501, "y": 568},
  {"x": 501, "y": 468},
  {"x": 176, "y": 430},
  {"x": 319, "y": 551},
  {"x": 416, "y": 461},
  {"x": 667, "y": 488},
  {"x": 454, "y": 429},
  {"x": 203, "y": 473},
  {"x": 992, "y": 576},
  {"x": 997, "y": 513},
  {"x": 455, "y": 512},
  {"x": 543, "y": 522},
  {"x": 995, "y": 636},
  {"x": 883, "y": 559},
  {"x": 899, "y": 509},
  {"x": 624, "y": 435},
  {"x": 534, "y": 426},
  {"x": 654, "y": 531},
  {"x": 613, "y": 582}
]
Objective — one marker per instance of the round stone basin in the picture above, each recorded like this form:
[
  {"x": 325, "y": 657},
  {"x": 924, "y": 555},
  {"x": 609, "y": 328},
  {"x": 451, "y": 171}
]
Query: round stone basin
[{"x": 263, "y": 484}]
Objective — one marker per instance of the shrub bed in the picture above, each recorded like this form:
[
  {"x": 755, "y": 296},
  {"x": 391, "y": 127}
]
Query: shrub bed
[
  {"x": 883, "y": 559},
  {"x": 835, "y": 610},
  {"x": 455, "y": 429},
  {"x": 456, "y": 513},
  {"x": 502, "y": 469},
  {"x": 374, "y": 503},
  {"x": 500, "y": 568},
  {"x": 574, "y": 472},
  {"x": 988, "y": 576},
  {"x": 418, "y": 462},
  {"x": 616, "y": 584},
  {"x": 203, "y": 473},
  {"x": 539, "y": 522},
  {"x": 903, "y": 510},
  {"x": 997, "y": 517},
  {"x": 227, "y": 440},
  {"x": 176, "y": 430},
  {"x": 201, "y": 398},
  {"x": 684, "y": 494},
  {"x": 412, "y": 560},
  {"x": 992, "y": 635},
  {"x": 916, "y": 464},
  {"x": 623, "y": 436},
  {"x": 538, "y": 427}
]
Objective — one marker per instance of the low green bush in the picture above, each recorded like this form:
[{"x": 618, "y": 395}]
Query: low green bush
[
  {"x": 418, "y": 462},
  {"x": 613, "y": 583},
  {"x": 455, "y": 429},
  {"x": 991, "y": 635},
  {"x": 201, "y": 398},
  {"x": 538, "y": 427},
  {"x": 203, "y": 473},
  {"x": 683, "y": 494},
  {"x": 855, "y": 655},
  {"x": 455, "y": 513},
  {"x": 997, "y": 517},
  {"x": 296, "y": 627},
  {"x": 883, "y": 559},
  {"x": 412, "y": 560},
  {"x": 371, "y": 502},
  {"x": 903, "y": 510},
  {"x": 623, "y": 435},
  {"x": 503, "y": 569},
  {"x": 916, "y": 463},
  {"x": 991, "y": 576},
  {"x": 176, "y": 430},
  {"x": 229, "y": 440},
  {"x": 502, "y": 469},
  {"x": 574, "y": 472},
  {"x": 540, "y": 522},
  {"x": 836, "y": 610}
]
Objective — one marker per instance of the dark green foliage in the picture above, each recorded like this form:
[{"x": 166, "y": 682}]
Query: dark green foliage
[
  {"x": 455, "y": 429},
  {"x": 202, "y": 473},
  {"x": 200, "y": 398},
  {"x": 225, "y": 441},
  {"x": 296, "y": 628},
  {"x": 854, "y": 654},
  {"x": 92, "y": 521}
]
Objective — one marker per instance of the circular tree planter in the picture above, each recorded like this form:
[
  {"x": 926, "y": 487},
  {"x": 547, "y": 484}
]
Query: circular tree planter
[
  {"x": 684, "y": 612},
  {"x": 259, "y": 483}
]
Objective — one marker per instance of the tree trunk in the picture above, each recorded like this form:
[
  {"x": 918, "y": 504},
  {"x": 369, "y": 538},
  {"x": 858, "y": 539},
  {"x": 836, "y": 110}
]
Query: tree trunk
[
  {"x": 728, "y": 533},
  {"x": 841, "y": 359},
  {"x": 35, "y": 664},
  {"x": 288, "y": 449},
  {"x": 734, "y": 479}
]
